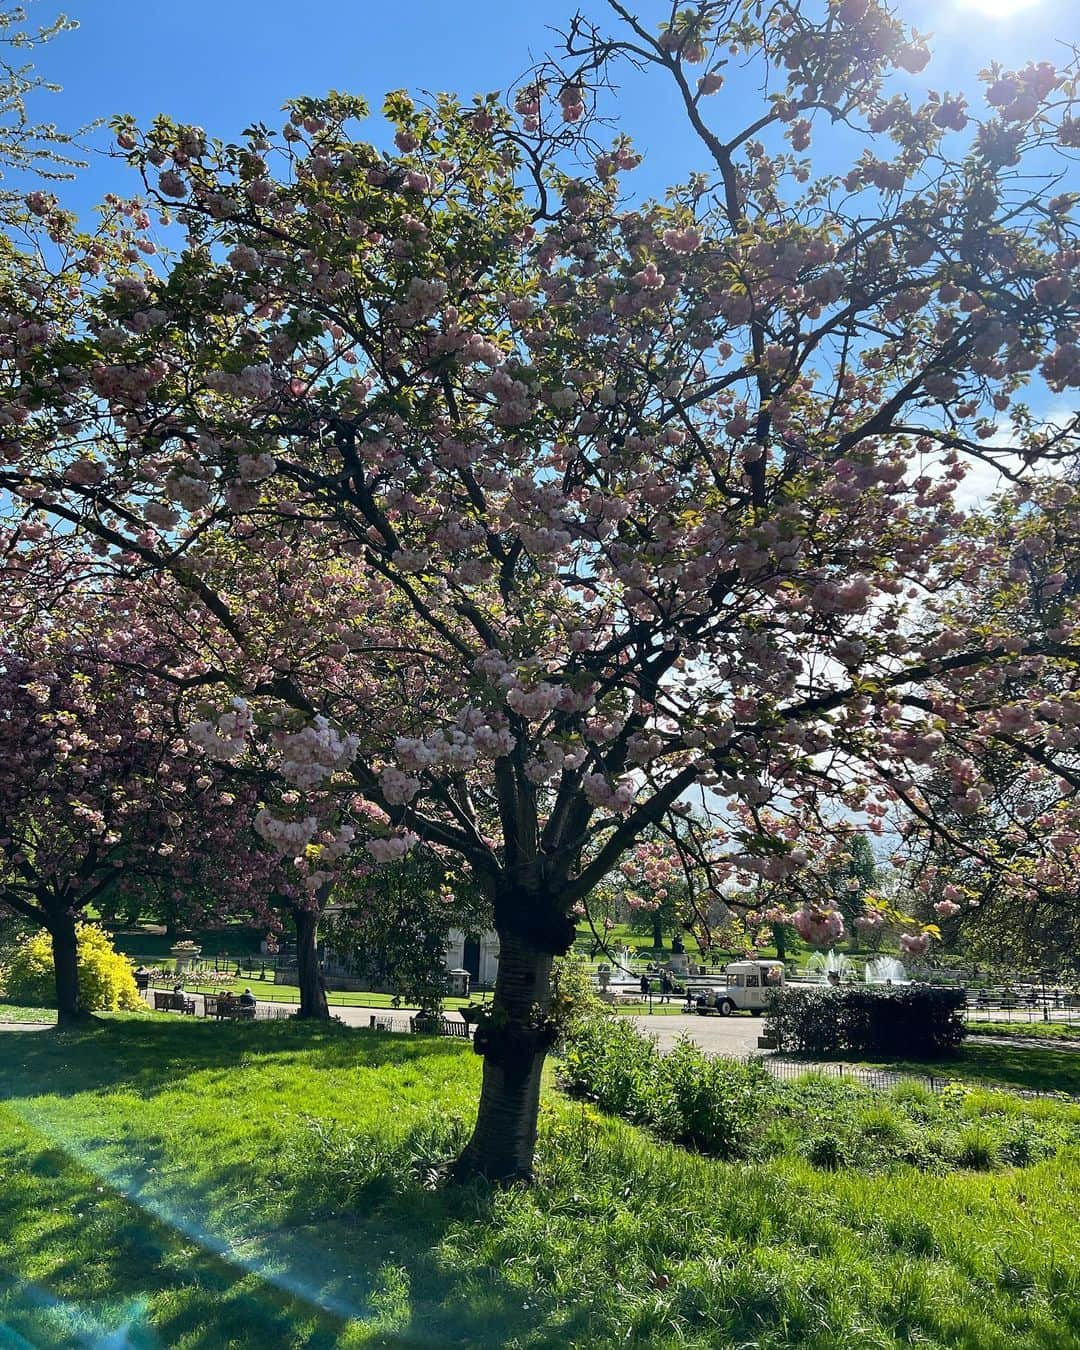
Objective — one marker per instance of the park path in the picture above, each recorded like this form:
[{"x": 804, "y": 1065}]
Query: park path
[{"x": 735, "y": 1036}]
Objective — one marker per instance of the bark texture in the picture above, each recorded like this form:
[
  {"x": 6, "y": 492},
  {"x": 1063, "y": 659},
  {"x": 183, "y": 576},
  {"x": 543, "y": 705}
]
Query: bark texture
[
  {"x": 309, "y": 973},
  {"x": 69, "y": 1010},
  {"x": 514, "y": 1041}
]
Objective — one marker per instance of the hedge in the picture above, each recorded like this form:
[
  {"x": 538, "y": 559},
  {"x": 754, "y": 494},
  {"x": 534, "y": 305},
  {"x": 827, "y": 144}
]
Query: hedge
[{"x": 913, "y": 1021}]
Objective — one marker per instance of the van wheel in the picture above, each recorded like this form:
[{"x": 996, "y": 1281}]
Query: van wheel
[{"x": 725, "y": 1007}]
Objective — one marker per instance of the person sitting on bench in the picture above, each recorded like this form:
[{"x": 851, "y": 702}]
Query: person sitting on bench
[{"x": 247, "y": 1000}]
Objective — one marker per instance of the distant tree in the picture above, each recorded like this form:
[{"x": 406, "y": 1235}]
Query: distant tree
[
  {"x": 395, "y": 923},
  {"x": 28, "y": 147},
  {"x": 664, "y": 920},
  {"x": 851, "y": 876}
]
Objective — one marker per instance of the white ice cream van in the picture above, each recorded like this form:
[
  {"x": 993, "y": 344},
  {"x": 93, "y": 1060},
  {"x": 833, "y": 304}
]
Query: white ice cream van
[{"x": 747, "y": 985}]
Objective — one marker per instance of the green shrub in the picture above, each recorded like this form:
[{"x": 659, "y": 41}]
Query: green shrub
[
  {"x": 573, "y": 998},
  {"x": 826, "y": 1151},
  {"x": 734, "y": 1111},
  {"x": 712, "y": 1105},
  {"x": 611, "y": 1063},
  {"x": 106, "y": 981},
  {"x": 888, "y": 1022},
  {"x": 883, "y": 1125},
  {"x": 1024, "y": 1145}
]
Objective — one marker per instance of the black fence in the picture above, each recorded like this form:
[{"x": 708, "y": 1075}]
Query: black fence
[
  {"x": 286, "y": 998},
  {"x": 995, "y": 1006},
  {"x": 882, "y": 1080}
]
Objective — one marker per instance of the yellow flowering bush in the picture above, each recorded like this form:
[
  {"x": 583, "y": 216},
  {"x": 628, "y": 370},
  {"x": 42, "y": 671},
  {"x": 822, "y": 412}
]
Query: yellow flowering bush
[{"x": 106, "y": 980}]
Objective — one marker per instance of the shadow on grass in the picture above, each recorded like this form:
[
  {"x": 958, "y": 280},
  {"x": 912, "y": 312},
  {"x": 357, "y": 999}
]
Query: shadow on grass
[
  {"x": 115, "y": 1220},
  {"x": 146, "y": 1054},
  {"x": 106, "y": 1272}
]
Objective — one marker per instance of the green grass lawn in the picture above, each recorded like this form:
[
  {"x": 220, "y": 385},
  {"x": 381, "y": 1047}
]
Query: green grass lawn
[
  {"x": 155, "y": 947},
  {"x": 288, "y": 993},
  {"x": 1038, "y": 1031},
  {"x": 270, "y": 992},
  {"x": 1030, "y": 1068},
  {"x": 15, "y": 1012},
  {"x": 170, "y": 1183}
]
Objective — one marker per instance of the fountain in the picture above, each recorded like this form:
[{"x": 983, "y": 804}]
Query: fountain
[
  {"x": 824, "y": 964},
  {"x": 885, "y": 970}
]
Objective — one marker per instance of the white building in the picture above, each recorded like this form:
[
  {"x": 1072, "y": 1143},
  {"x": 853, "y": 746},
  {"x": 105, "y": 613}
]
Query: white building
[{"x": 479, "y": 955}]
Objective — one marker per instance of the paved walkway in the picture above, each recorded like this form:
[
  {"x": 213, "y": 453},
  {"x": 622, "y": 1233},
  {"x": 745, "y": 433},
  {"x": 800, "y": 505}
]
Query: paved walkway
[{"x": 735, "y": 1036}]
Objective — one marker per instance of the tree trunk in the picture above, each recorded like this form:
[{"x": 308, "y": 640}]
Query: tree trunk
[
  {"x": 657, "y": 931},
  {"x": 514, "y": 1048},
  {"x": 779, "y": 941},
  {"x": 69, "y": 1010},
  {"x": 309, "y": 973}
]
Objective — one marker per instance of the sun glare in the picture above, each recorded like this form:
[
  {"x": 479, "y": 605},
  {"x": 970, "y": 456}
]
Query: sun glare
[{"x": 997, "y": 9}]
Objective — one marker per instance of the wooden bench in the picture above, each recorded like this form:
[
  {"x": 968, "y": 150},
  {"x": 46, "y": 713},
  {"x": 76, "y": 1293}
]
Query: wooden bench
[
  {"x": 173, "y": 1003},
  {"x": 439, "y": 1026},
  {"x": 216, "y": 1005}
]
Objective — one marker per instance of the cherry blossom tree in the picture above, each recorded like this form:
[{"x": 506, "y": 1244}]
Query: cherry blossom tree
[
  {"x": 525, "y": 516},
  {"x": 101, "y": 795},
  {"x": 994, "y": 838},
  {"x": 28, "y": 147}
]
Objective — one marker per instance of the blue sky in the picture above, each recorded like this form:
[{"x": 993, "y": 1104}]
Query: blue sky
[{"x": 225, "y": 63}]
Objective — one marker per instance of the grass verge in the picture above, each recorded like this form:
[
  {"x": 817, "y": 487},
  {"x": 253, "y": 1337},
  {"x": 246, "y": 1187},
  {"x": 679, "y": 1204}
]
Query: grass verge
[{"x": 1029, "y": 1068}]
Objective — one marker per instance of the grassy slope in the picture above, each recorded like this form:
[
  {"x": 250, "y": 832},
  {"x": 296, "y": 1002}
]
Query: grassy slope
[{"x": 247, "y": 1186}]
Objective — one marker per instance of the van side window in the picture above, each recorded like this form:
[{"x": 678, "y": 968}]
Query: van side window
[
  {"x": 752, "y": 982},
  {"x": 736, "y": 980}
]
